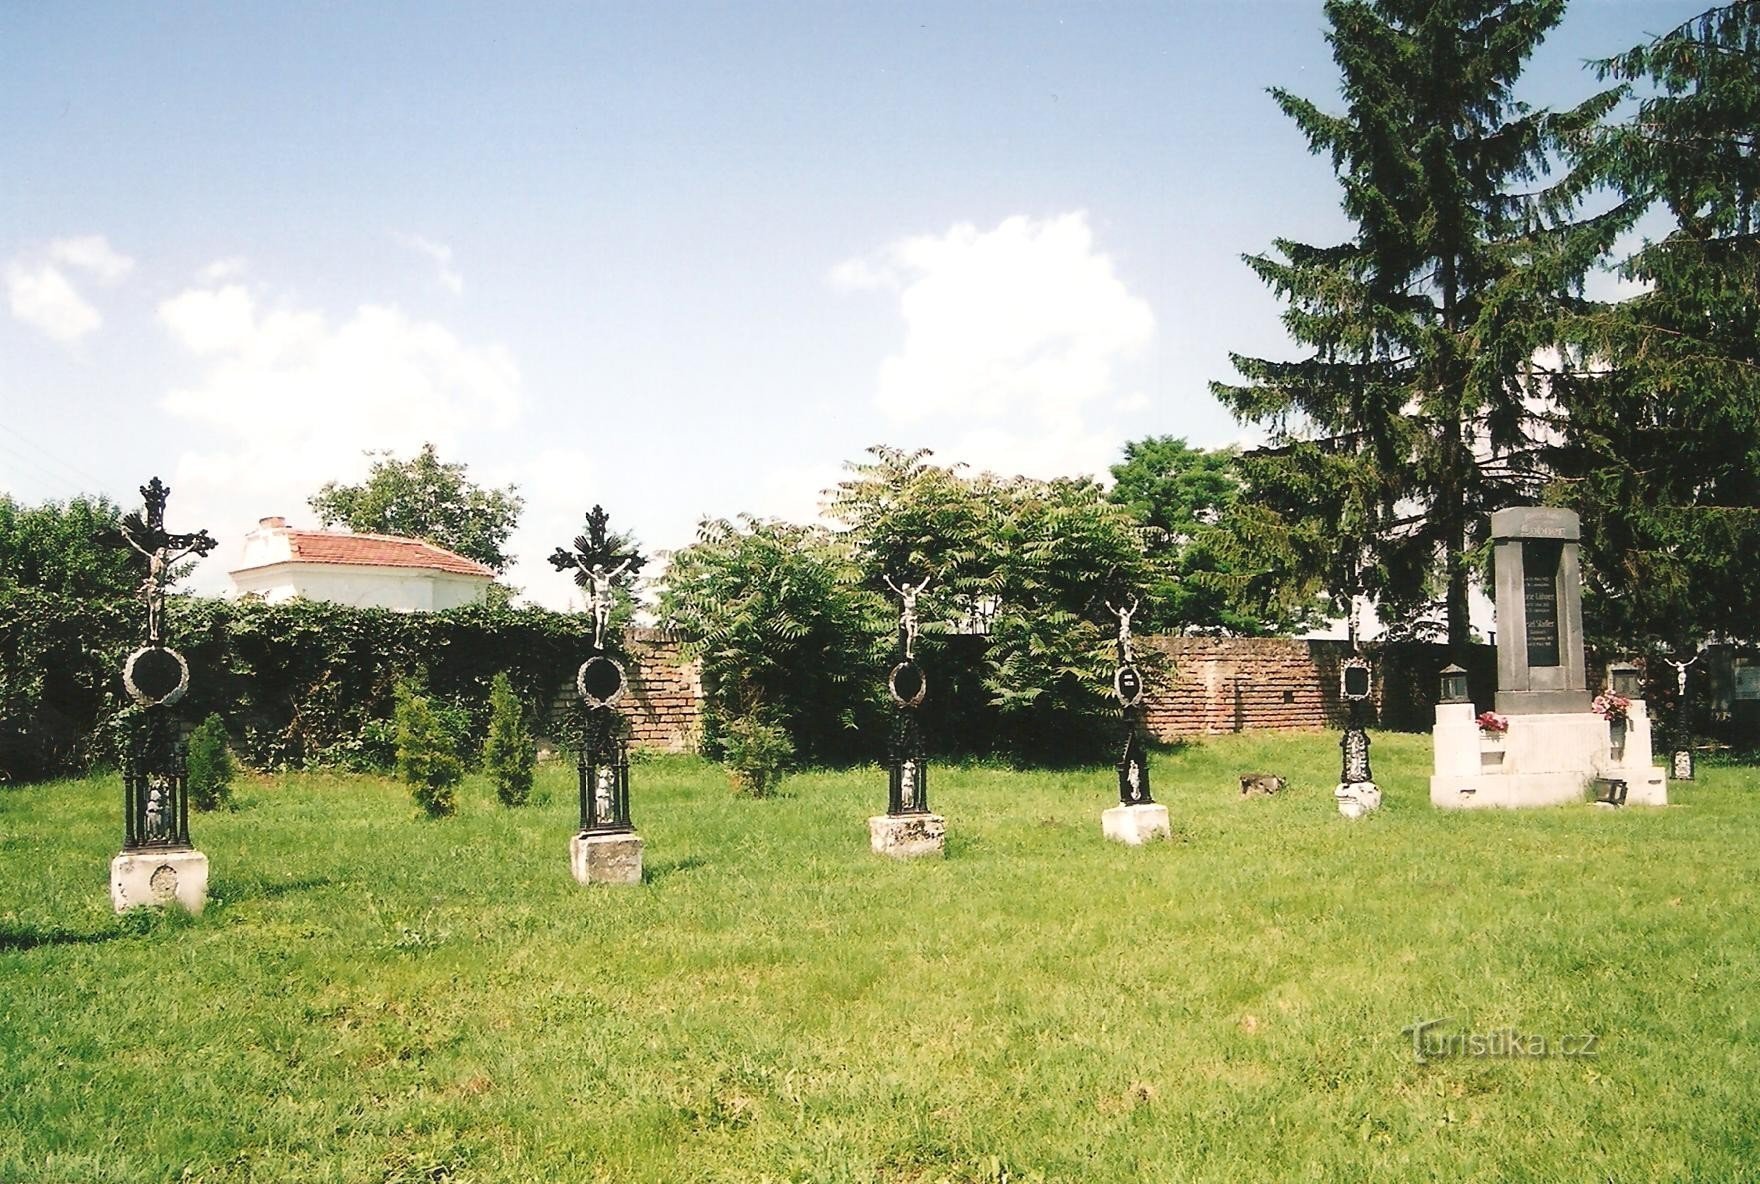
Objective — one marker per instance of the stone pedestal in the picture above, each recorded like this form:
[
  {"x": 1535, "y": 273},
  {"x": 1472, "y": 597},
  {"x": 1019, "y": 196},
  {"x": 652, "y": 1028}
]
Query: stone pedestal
[
  {"x": 606, "y": 858},
  {"x": 156, "y": 879},
  {"x": 1357, "y": 798},
  {"x": 1543, "y": 760},
  {"x": 906, "y": 836},
  {"x": 1136, "y": 825}
]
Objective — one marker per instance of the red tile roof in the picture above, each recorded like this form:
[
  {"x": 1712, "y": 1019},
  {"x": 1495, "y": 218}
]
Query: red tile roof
[{"x": 378, "y": 550}]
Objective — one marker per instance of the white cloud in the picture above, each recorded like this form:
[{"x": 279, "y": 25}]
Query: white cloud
[
  {"x": 230, "y": 268},
  {"x": 39, "y": 292},
  {"x": 291, "y": 398},
  {"x": 1018, "y": 329},
  {"x": 42, "y": 298},
  {"x": 92, "y": 253},
  {"x": 554, "y": 483},
  {"x": 441, "y": 254}
]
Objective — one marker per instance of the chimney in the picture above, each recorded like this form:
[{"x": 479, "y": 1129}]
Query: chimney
[{"x": 276, "y": 523}]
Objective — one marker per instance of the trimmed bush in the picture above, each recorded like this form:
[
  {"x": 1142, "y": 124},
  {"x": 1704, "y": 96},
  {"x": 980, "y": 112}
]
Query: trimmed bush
[
  {"x": 758, "y": 754},
  {"x": 209, "y": 766},
  {"x": 510, "y": 753},
  {"x": 426, "y": 757}
]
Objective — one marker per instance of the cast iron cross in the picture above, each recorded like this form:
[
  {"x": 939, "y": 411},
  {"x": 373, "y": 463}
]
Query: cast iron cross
[{"x": 161, "y": 548}]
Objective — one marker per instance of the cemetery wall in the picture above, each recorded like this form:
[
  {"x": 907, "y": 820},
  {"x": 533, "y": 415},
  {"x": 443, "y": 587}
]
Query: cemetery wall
[
  {"x": 1244, "y": 684},
  {"x": 664, "y": 703}
]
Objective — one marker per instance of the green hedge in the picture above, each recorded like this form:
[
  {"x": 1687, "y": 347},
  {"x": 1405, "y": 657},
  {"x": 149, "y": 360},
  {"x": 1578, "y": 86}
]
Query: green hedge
[{"x": 299, "y": 683}]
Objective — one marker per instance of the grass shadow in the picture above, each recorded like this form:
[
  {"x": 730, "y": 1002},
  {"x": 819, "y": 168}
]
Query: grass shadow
[
  {"x": 237, "y": 891},
  {"x": 15, "y": 937},
  {"x": 660, "y": 869}
]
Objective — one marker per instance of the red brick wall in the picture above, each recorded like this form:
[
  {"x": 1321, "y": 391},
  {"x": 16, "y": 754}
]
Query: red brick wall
[
  {"x": 1239, "y": 684},
  {"x": 665, "y": 699}
]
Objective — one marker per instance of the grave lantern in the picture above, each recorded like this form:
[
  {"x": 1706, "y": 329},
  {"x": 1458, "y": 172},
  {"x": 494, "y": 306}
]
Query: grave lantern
[
  {"x": 1454, "y": 685},
  {"x": 1623, "y": 678}
]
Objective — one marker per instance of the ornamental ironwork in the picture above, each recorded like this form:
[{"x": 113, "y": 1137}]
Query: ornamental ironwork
[
  {"x": 907, "y": 752},
  {"x": 155, "y": 799},
  {"x": 1127, "y": 686},
  {"x": 598, "y": 558},
  {"x": 1356, "y": 684}
]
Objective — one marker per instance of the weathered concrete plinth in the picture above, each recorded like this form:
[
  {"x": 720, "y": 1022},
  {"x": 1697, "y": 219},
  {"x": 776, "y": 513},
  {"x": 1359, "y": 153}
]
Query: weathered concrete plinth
[
  {"x": 1357, "y": 798},
  {"x": 1543, "y": 760},
  {"x": 907, "y": 836},
  {"x": 1136, "y": 825},
  {"x": 606, "y": 859},
  {"x": 155, "y": 879}
]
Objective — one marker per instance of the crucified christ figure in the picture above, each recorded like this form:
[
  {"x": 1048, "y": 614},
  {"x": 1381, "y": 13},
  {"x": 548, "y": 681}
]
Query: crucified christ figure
[
  {"x": 1680, "y": 674},
  {"x": 1126, "y": 654},
  {"x": 599, "y": 597},
  {"x": 162, "y": 550},
  {"x": 907, "y": 619}
]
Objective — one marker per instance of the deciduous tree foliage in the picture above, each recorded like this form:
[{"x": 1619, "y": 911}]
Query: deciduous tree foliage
[
  {"x": 1661, "y": 446},
  {"x": 425, "y": 498},
  {"x": 1201, "y": 524},
  {"x": 1409, "y": 416}
]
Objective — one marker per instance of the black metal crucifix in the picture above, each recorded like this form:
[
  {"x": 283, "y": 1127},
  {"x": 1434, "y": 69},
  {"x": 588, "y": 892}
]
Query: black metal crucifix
[
  {"x": 598, "y": 559},
  {"x": 161, "y": 548}
]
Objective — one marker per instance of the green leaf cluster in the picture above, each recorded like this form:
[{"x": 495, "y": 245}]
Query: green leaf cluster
[
  {"x": 426, "y": 758},
  {"x": 209, "y": 767},
  {"x": 510, "y": 754},
  {"x": 425, "y": 498}
]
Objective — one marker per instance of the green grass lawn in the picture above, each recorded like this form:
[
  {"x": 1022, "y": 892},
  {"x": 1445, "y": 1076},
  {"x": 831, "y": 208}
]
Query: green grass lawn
[{"x": 376, "y": 997}]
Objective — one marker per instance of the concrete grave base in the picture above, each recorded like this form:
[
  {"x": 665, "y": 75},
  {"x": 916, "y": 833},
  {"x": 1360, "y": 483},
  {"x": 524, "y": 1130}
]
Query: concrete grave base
[
  {"x": 1136, "y": 825},
  {"x": 1357, "y": 798},
  {"x": 1543, "y": 760},
  {"x": 906, "y": 836},
  {"x": 154, "y": 879},
  {"x": 606, "y": 859}
]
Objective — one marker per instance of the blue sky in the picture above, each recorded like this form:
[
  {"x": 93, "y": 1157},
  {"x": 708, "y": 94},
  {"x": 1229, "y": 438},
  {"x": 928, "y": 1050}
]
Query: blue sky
[{"x": 678, "y": 259}]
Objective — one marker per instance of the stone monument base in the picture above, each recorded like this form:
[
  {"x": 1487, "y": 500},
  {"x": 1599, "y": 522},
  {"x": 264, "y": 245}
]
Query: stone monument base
[
  {"x": 1357, "y": 798},
  {"x": 1136, "y": 825},
  {"x": 906, "y": 836},
  {"x": 1543, "y": 760},
  {"x": 158, "y": 878},
  {"x": 606, "y": 859}
]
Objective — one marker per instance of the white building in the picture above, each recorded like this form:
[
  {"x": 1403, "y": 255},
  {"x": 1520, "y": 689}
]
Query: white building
[{"x": 362, "y": 570}]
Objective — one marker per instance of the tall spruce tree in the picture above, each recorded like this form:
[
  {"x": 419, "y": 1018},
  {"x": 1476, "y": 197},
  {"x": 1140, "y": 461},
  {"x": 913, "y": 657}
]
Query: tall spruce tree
[
  {"x": 1661, "y": 449},
  {"x": 1411, "y": 418}
]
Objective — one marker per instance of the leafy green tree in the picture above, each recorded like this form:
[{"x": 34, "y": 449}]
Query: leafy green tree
[
  {"x": 55, "y": 546},
  {"x": 510, "y": 754},
  {"x": 426, "y": 756},
  {"x": 425, "y": 498},
  {"x": 783, "y": 628},
  {"x": 1660, "y": 453},
  {"x": 1424, "y": 326},
  {"x": 1033, "y": 564},
  {"x": 209, "y": 766},
  {"x": 757, "y": 755},
  {"x": 1199, "y": 522}
]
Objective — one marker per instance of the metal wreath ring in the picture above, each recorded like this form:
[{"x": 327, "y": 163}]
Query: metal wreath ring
[
  {"x": 140, "y": 696},
  {"x": 922, "y": 685},
  {"x": 592, "y": 700}
]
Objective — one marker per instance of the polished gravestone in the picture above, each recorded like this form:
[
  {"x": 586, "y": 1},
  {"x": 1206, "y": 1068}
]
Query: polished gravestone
[{"x": 1555, "y": 745}]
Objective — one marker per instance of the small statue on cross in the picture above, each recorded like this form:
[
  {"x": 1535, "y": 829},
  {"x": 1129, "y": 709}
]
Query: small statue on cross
[
  {"x": 162, "y": 550},
  {"x": 907, "y": 619},
  {"x": 593, "y": 552},
  {"x": 1126, "y": 654}
]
